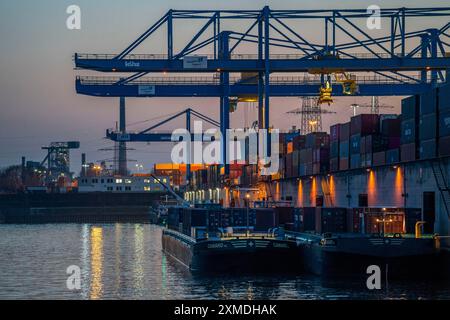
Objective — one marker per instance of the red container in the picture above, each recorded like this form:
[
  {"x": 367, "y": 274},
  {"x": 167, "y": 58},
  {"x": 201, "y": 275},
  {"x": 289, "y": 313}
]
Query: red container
[
  {"x": 343, "y": 163},
  {"x": 393, "y": 142},
  {"x": 364, "y": 124},
  {"x": 408, "y": 152}
]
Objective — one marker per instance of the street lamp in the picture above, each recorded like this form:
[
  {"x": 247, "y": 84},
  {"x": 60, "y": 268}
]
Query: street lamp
[{"x": 247, "y": 196}]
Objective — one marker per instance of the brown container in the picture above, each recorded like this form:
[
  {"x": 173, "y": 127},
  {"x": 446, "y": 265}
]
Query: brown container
[
  {"x": 408, "y": 152},
  {"x": 365, "y": 124},
  {"x": 343, "y": 163},
  {"x": 379, "y": 158}
]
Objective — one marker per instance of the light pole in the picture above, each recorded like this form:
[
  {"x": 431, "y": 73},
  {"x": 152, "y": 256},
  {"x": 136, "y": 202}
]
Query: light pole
[{"x": 247, "y": 196}]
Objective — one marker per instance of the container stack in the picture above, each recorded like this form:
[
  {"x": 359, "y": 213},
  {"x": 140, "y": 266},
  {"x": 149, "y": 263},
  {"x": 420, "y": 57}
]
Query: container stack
[
  {"x": 264, "y": 219},
  {"x": 444, "y": 120},
  {"x": 344, "y": 146},
  {"x": 390, "y": 130},
  {"x": 409, "y": 129},
  {"x": 428, "y": 125},
  {"x": 334, "y": 147},
  {"x": 363, "y": 127},
  {"x": 331, "y": 220}
]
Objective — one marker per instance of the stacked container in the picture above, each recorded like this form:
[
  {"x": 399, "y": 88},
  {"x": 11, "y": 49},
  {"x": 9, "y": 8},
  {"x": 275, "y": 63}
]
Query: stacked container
[
  {"x": 444, "y": 120},
  {"x": 390, "y": 129},
  {"x": 319, "y": 145},
  {"x": 344, "y": 146},
  {"x": 428, "y": 126},
  {"x": 409, "y": 129},
  {"x": 361, "y": 126},
  {"x": 334, "y": 147}
]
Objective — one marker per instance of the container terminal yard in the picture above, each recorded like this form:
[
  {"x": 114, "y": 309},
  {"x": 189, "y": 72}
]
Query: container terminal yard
[{"x": 371, "y": 190}]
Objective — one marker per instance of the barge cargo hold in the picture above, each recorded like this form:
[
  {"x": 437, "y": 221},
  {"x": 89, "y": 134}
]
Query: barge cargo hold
[
  {"x": 252, "y": 253},
  {"x": 351, "y": 255}
]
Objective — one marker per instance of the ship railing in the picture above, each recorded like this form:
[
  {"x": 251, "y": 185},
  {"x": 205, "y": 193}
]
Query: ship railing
[{"x": 179, "y": 236}]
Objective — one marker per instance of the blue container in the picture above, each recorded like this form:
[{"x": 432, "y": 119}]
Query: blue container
[
  {"x": 392, "y": 156},
  {"x": 428, "y": 149},
  {"x": 410, "y": 107},
  {"x": 344, "y": 149},
  {"x": 355, "y": 144},
  {"x": 334, "y": 149},
  {"x": 355, "y": 161},
  {"x": 444, "y": 123},
  {"x": 444, "y": 97},
  {"x": 427, "y": 126},
  {"x": 428, "y": 102},
  {"x": 408, "y": 131}
]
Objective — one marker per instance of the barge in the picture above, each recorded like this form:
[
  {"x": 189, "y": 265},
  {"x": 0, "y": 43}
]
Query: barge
[
  {"x": 255, "y": 252},
  {"x": 399, "y": 256}
]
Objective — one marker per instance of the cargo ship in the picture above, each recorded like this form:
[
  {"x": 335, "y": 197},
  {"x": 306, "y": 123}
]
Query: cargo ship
[{"x": 195, "y": 238}]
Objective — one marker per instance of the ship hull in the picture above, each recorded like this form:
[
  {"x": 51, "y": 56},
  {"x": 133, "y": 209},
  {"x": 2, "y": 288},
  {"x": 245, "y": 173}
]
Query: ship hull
[
  {"x": 398, "y": 258},
  {"x": 240, "y": 255}
]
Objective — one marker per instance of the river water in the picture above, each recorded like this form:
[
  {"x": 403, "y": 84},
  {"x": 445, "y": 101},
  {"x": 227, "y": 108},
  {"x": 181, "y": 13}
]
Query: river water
[{"x": 125, "y": 261}]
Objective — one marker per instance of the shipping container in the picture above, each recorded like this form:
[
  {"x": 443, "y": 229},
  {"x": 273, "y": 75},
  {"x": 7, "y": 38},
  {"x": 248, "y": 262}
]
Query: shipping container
[
  {"x": 283, "y": 215},
  {"x": 379, "y": 158},
  {"x": 344, "y": 132},
  {"x": 344, "y": 163},
  {"x": 410, "y": 108},
  {"x": 344, "y": 149},
  {"x": 444, "y": 146},
  {"x": 299, "y": 142},
  {"x": 444, "y": 98},
  {"x": 390, "y": 127},
  {"x": 393, "y": 156},
  {"x": 364, "y": 124},
  {"x": 334, "y": 164},
  {"x": 334, "y": 132},
  {"x": 353, "y": 220},
  {"x": 428, "y": 102},
  {"x": 317, "y": 140},
  {"x": 409, "y": 129},
  {"x": 428, "y": 149},
  {"x": 334, "y": 149},
  {"x": 408, "y": 152},
  {"x": 333, "y": 220},
  {"x": 355, "y": 144},
  {"x": 444, "y": 123},
  {"x": 355, "y": 161},
  {"x": 428, "y": 126}
]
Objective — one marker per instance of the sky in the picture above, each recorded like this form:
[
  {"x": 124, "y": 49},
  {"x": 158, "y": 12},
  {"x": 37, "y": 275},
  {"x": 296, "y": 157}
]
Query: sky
[{"x": 38, "y": 102}]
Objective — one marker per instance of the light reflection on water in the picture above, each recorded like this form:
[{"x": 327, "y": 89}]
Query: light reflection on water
[{"x": 124, "y": 261}]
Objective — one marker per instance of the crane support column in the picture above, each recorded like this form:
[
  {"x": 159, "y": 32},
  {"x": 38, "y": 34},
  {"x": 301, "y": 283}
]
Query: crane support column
[
  {"x": 122, "y": 144},
  {"x": 188, "y": 164},
  {"x": 267, "y": 74},
  {"x": 260, "y": 76},
  {"x": 224, "y": 54},
  {"x": 424, "y": 41}
]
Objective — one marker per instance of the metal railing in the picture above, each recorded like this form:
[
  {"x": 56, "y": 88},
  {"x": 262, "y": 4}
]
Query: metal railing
[
  {"x": 208, "y": 80},
  {"x": 274, "y": 56}
]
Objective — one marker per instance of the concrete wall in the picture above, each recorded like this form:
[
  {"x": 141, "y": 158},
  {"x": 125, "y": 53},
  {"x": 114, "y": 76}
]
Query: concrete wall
[{"x": 386, "y": 186}]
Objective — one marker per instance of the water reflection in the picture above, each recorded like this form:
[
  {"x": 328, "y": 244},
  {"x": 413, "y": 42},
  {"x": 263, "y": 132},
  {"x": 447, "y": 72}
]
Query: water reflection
[
  {"x": 96, "y": 263},
  {"x": 125, "y": 261}
]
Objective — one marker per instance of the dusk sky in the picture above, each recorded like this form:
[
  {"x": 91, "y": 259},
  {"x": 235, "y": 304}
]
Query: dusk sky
[{"x": 38, "y": 102}]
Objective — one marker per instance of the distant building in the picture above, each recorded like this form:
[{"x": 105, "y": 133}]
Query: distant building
[{"x": 121, "y": 184}]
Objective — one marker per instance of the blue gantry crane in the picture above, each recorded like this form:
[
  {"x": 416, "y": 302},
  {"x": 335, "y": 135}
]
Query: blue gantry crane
[{"x": 344, "y": 59}]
